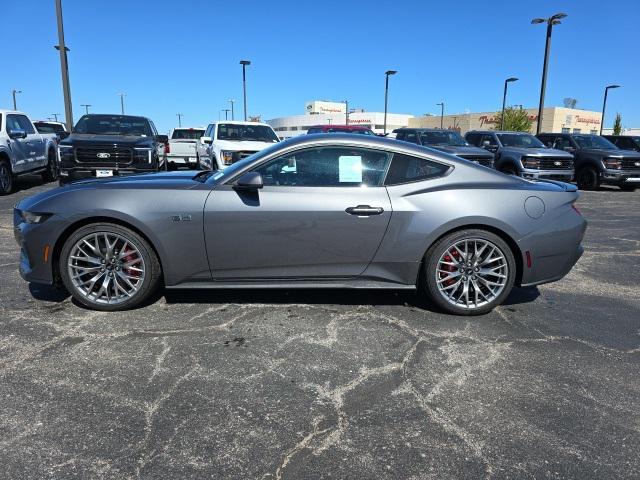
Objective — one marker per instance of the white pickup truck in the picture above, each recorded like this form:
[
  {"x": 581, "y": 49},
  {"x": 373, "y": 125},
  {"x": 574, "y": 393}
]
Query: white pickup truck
[
  {"x": 23, "y": 150},
  {"x": 226, "y": 142},
  {"x": 182, "y": 149}
]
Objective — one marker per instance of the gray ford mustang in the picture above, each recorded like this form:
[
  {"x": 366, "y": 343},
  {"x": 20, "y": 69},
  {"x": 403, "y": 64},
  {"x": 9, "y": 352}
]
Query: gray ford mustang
[{"x": 340, "y": 211}]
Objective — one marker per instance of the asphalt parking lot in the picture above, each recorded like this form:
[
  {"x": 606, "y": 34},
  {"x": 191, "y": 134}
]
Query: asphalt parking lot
[{"x": 329, "y": 384}]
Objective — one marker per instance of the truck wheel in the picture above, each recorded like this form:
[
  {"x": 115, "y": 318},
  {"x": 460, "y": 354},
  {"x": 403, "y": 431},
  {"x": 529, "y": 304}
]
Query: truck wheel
[
  {"x": 6, "y": 178},
  {"x": 587, "y": 179},
  {"x": 51, "y": 173}
]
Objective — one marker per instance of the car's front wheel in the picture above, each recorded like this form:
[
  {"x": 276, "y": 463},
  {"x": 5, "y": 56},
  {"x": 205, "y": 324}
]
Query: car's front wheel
[
  {"x": 109, "y": 267},
  {"x": 6, "y": 178},
  {"x": 587, "y": 179},
  {"x": 468, "y": 272},
  {"x": 51, "y": 173}
]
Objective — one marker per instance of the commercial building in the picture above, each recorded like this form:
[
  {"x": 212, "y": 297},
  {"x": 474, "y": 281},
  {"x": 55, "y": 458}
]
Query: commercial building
[
  {"x": 554, "y": 119},
  {"x": 320, "y": 112}
]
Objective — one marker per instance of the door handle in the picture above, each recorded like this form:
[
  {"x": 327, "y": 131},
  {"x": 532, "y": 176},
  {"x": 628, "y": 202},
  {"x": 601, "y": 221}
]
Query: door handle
[{"x": 364, "y": 210}]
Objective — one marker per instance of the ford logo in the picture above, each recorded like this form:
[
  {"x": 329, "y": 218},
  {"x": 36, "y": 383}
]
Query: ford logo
[
  {"x": 103, "y": 155},
  {"x": 557, "y": 164}
]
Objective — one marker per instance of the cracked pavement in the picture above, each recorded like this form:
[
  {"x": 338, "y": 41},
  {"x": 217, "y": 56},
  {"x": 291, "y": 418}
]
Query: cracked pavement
[{"x": 329, "y": 384}]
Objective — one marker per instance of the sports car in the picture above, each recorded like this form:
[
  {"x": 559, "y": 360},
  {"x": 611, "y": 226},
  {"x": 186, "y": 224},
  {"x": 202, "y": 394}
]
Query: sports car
[{"x": 316, "y": 211}]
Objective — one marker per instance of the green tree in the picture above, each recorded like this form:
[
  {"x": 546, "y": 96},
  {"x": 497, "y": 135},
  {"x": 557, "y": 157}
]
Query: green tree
[
  {"x": 515, "y": 120},
  {"x": 617, "y": 125}
]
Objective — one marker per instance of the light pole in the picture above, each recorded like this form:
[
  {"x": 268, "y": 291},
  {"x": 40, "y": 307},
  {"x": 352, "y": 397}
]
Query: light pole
[
  {"x": 346, "y": 112},
  {"x": 64, "y": 67},
  {"x": 386, "y": 95},
  {"x": 55, "y": 116},
  {"x": 86, "y": 107},
  {"x": 232, "y": 101},
  {"x": 504, "y": 99},
  {"x": 441, "y": 114},
  {"x": 244, "y": 64},
  {"x": 122, "y": 95},
  {"x": 226, "y": 113},
  {"x": 551, "y": 21},
  {"x": 604, "y": 104},
  {"x": 15, "y": 107},
  {"x": 179, "y": 115}
]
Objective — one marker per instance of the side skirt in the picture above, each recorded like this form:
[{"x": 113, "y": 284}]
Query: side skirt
[{"x": 275, "y": 284}]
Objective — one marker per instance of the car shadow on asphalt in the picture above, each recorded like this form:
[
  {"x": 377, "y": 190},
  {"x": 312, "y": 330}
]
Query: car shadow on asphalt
[{"x": 28, "y": 182}]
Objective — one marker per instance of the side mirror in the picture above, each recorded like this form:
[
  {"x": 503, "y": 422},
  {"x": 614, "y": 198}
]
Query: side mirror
[
  {"x": 207, "y": 140},
  {"x": 162, "y": 139},
  {"x": 16, "y": 133},
  {"x": 249, "y": 181},
  {"x": 63, "y": 135}
]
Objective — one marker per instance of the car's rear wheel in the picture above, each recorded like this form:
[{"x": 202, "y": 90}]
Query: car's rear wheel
[
  {"x": 109, "y": 267},
  {"x": 468, "y": 272},
  {"x": 51, "y": 173},
  {"x": 6, "y": 178},
  {"x": 587, "y": 179}
]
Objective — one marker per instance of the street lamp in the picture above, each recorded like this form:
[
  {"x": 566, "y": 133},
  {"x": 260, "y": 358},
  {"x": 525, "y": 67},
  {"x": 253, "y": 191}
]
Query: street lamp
[
  {"x": 604, "y": 103},
  {"x": 122, "y": 95},
  {"x": 441, "y": 114},
  {"x": 55, "y": 116},
  {"x": 346, "y": 111},
  {"x": 504, "y": 99},
  {"x": 244, "y": 64},
  {"x": 86, "y": 107},
  {"x": 13, "y": 92},
  {"x": 226, "y": 113},
  {"x": 386, "y": 95},
  {"x": 64, "y": 68},
  {"x": 231, "y": 101},
  {"x": 179, "y": 115},
  {"x": 551, "y": 21}
]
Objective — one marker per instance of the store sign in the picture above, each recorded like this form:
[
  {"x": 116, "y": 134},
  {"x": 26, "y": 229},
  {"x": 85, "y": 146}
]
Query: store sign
[
  {"x": 486, "y": 119},
  {"x": 588, "y": 121}
]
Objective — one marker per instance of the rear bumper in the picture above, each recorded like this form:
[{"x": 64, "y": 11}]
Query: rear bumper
[
  {"x": 182, "y": 159},
  {"x": 562, "y": 175}
]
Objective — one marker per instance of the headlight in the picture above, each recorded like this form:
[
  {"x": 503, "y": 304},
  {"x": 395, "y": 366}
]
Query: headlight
[
  {"x": 614, "y": 163},
  {"x": 227, "y": 157},
  {"x": 529, "y": 162},
  {"x": 65, "y": 151},
  {"x": 142, "y": 153},
  {"x": 30, "y": 217}
]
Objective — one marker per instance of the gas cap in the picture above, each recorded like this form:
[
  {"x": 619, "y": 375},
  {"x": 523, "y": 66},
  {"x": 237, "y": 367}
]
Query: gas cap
[{"x": 534, "y": 207}]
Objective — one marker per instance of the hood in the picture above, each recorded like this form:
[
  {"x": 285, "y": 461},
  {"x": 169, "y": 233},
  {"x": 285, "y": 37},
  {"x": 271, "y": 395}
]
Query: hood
[
  {"x": 238, "y": 145},
  {"x": 164, "y": 180},
  {"x": 463, "y": 150},
  {"x": 539, "y": 152},
  {"x": 78, "y": 139},
  {"x": 612, "y": 153}
]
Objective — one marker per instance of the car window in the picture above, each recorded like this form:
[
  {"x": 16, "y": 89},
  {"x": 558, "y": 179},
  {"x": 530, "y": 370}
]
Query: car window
[
  {"x": 473, "y": 139},
  {"x": 405, "y": 169},
  {"x": 154, "y": 130},
  {"x": 314, "y": 130},
  {"x": 561, "y": 143},
  {"x": 13, "y": 123},
  {"x": 400, "y": 136},
  {"x": 411, "y": 137},
  {"x": 25, "y": 124},
  {"x": 238, "y": 132},
  {"x": 187, "y": 134},
  {"x": 547, "y": 140},
  {"x": 489, "y": 138},
  {"x": 326, "y": 167}
]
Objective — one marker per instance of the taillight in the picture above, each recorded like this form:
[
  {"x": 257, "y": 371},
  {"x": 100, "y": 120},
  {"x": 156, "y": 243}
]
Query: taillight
[
  {"x": 576, "y": 209},
  {"x": 167, "y": 148}
]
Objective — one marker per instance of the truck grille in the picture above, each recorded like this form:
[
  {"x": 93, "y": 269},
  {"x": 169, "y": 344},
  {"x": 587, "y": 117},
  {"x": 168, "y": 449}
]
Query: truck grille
[
  {"x": 485, "y": 161},
  {"x": 104, "y": 154},
  {"x": 556, "y": 164},
  {"x": 242, "y": 154},
  {"x": 631, "y": 163}
]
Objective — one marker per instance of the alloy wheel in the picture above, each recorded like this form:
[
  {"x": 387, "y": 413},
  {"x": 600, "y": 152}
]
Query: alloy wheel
[
  {"x": 106, "y": 268},
  {"x": 471, "y": 273}
]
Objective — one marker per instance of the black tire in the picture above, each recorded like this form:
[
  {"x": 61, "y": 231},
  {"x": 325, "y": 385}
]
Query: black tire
[
  {"x": 428, "y": 282},
  {"x": 628, "y": 188},
  {"x": 6, "y": 177},
  {"x": 587, "y": 178},
  {"x": 52, "y": 171},
  {"x": 153, "y": 269}
]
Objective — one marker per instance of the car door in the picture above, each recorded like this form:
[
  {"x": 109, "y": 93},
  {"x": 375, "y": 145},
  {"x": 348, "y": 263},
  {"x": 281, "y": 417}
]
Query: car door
[
  {"x": 18, "y": 146},
  {"x": 322, "y": 213},
  {"x": 35, "y": 144}
]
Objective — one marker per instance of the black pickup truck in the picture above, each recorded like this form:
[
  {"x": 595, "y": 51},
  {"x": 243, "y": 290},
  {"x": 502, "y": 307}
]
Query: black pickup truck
[
  {"x": 110, "y": 145},
  {"x": 597, "y": 161}
]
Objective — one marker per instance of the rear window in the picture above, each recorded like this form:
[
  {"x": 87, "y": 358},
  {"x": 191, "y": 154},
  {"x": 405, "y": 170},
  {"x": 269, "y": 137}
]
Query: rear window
[
  {"x": 187, "y": 134},
  {"x": 44, "y": 127},
  {"x": 405, "y": 169}
]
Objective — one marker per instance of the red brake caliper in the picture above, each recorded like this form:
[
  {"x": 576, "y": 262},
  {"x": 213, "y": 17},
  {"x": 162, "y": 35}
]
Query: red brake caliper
[
  {"x": 126, "y": 259},
  {"x": 449, "y": 268}
]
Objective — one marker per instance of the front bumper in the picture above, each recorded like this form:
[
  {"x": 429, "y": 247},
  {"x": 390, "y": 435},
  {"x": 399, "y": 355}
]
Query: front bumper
[
  {"x": 621, "y": 177},
  {"x": 69, "y": 174},
  {"x": 562, "y": 175}
]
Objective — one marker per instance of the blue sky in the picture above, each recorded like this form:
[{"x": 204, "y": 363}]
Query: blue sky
[{"x": 172, "y": 57}]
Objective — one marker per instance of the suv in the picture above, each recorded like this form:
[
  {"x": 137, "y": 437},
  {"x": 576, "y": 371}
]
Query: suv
[
  {"x": 625, "y": 142},
  {"x": 227, "y": 142},
  {"x": 448, "y": 141},
  {"x": 182, "y": 148},
  {"x": 597, "y": 160},
  {"x": 24, "y": 150},
  {"x": 340, "y": 129},
  {"x": 522, "y": 154},
  {"x": 110, "y": 145}
]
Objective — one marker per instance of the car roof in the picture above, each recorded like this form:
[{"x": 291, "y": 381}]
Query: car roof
[
  {"x": 506, "y": 132},
  {"x": 419, "y": 129},
  {"x": 12, "y": 111},
  {"x": 240, "y": 122},
  {"x": 350, "y": 127}
]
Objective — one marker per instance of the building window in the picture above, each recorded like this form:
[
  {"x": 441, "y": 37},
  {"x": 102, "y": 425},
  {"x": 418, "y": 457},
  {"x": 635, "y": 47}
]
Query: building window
[
  {"x": 594, "y": 132},
  {"x": 293, "y": 128},
  {"x": 577, "y": 130},
  {"x": 566, "y": 130}
]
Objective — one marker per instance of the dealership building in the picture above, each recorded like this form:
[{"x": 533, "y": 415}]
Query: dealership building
[
  {"x": 319, "y": 112},
  {"x": 554, "y": 119}
]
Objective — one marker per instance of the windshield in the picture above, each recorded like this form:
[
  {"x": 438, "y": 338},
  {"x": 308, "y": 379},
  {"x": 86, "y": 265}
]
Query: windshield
[
  {"x": 636, "y": 140},
  {"x": 113, "y": 125},
  {"x": 187, "y": 134},
  {"x": 44, "y": 127},
  {"x": 594, "y": 141},
  {"x": 444, "y": 137},
  {"x": 361, "y": 131},
  {"x": 256, "y": 133},
  {"x": 520, "y": 140}
]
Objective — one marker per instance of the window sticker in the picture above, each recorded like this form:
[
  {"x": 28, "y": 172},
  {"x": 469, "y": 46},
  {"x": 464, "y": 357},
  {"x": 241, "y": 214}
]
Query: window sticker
[{"x": 350, "y": 169}]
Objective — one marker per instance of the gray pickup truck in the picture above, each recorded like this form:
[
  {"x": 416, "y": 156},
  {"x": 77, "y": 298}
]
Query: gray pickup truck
[
  {"x": 522, "y": 154},
  {"x": 597, "y": 160},
  {"x": 23, "y": 150}
]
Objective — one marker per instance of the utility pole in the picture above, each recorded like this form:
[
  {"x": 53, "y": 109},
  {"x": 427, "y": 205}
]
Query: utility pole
[
  {"x": 86, "y": 107},
  {"x": 122, "y": 95},
  {"x": 179, "y": 115},
  {"x": 15, "y": 105},
  {"x": 64, "y": 67},
  {"x": 441, "y": 115}
]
